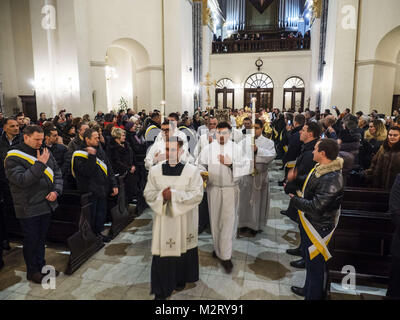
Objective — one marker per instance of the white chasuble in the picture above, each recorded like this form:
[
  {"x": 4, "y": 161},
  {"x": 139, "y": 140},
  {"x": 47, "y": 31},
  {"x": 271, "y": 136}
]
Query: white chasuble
[
  {"x": 223, "y": 192},
  {"x": 175, "y": 223},
  {"x": 254, "y": 190}
]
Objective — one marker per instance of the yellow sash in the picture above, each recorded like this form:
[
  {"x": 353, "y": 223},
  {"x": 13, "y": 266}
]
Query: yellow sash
[
  {"x": 148, "y": 130},
  {"x": 319, "y": 244},
  {"x": 290, "y": 164},
  {"x": 22, "y": 155},
  {"x": 84, "y": 154}
]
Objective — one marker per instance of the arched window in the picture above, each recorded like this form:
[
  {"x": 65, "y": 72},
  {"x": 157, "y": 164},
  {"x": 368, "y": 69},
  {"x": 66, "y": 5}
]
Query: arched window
[
  {"x": 225, "y": 94},
  {"x": 259, "y": 80},
  {"x": 259, "y": 86},
  {"x": 225, "y": 83},
  {"x": 294, "y": 82},
  {"x": 293, "y": 93}
]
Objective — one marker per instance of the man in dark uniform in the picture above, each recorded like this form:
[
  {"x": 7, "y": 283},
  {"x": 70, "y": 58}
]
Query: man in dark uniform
[
  {"x": 309, "y": 135},
  {"x": 58, "y": 151},
  {"x": 35, "y": 184},
  {"x": 319, "y": 210},
  {"x": 93, "y": 173},
  {"x": 294, "y": 143},
  {"x": 11, "y": 137}
]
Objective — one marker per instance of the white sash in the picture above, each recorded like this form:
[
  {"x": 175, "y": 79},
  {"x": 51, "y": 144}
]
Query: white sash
[
  {"x": 319, "y": 244},
  {"x": 84, "y": 154},
  {"x": 22, "y": 155}
]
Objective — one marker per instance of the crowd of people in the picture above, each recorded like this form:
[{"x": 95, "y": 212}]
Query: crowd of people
[
  {"x": 238, "y": 42},
  {"x": 194, "y": 172}
]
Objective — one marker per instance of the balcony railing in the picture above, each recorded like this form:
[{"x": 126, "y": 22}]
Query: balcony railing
[{"x": 270, "y": 45}]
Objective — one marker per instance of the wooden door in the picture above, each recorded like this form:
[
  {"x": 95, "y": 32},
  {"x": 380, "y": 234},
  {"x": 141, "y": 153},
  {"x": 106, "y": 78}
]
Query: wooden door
[{"x": 264, "y": 98}]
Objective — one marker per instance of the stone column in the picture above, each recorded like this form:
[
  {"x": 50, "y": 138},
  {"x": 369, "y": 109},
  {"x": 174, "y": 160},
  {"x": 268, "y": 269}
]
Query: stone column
[{"x": 338, "y": 80}]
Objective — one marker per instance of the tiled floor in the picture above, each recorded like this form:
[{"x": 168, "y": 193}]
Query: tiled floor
[{"x": 121, "y": 270}]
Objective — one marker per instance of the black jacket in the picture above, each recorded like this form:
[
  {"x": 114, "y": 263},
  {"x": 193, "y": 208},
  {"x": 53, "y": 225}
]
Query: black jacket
[
  {"x": 5, "y": 146},
  {"x": 322, "y": 196},
  {"x": 74, "y": 145},
  {"x": 90, "y": 177},
  {"x": 294, "y": 145},
  {"x": 304, "y": 164},
  {"x": 59, "y": 152},
  {"x": 30, "y": 185},
  {"x": 139, "y": 148},
  {"x": 121, "y": 157},
  {"x": 394, "y": 208}
]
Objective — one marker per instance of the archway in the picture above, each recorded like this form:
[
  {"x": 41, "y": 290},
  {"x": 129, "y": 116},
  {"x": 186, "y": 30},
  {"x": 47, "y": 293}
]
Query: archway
[
  {"x": 293, "y": 93},
  {"x": 260, "y": 86},
  {"x": 385, "y": 68},
  {"x": 127, "y": 74},
  {"x": 225, "y": 94}
]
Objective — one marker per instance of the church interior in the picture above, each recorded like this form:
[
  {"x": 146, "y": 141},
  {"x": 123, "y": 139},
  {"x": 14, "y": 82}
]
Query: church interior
[{"x": 186, "y": 56}]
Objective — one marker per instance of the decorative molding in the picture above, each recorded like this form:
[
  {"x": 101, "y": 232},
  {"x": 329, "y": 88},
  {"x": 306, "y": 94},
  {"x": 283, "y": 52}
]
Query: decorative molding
[
  {"x": 317, "y": 9},
  {"x": 150, "y": 68},
  {"x": 98, "y": 64},
  {"x": 360, "y": 63}
]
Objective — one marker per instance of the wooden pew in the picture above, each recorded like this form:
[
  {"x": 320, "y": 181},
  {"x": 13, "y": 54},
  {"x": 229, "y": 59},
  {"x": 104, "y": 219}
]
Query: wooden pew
[
  {"x": 363, "y": 237},
  {"x": 120, "y": 213},
  {"x": 70, "y": 225}
]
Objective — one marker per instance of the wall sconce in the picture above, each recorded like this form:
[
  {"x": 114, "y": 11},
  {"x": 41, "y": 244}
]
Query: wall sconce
[{"x": 110, "y": 73}]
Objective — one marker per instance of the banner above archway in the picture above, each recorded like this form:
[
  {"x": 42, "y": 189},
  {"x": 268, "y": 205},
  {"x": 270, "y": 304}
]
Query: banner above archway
[{"x": 261, "y": 5}]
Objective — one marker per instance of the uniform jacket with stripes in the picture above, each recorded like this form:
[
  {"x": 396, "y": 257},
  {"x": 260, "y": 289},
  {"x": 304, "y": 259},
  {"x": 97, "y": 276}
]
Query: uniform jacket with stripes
[
  {"x": 31, "y": 183},
  {"x": 90, "y": 177}
]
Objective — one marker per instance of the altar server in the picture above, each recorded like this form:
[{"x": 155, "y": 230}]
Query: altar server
[
  {"x": 156, "y": 154},
  {"x": 225, "y": 163},
  {"x": 254, "y": 188},
  {"x": 173, "y": 191}
]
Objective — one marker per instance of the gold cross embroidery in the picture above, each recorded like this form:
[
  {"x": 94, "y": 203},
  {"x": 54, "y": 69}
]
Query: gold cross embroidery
[
  {"x": 189, "y": 239},
  {"x": 170, "y": 243}
]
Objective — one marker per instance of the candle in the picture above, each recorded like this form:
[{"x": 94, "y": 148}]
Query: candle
[
  {"x": 162, "y": 111},
  {"x": 253, "y": 114}
]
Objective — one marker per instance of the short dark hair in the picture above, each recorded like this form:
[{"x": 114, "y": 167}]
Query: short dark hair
[
  {"x": 154, "y": 115},
  {"x": 397, "y": 128},
  {"x": 259, "y": 122},
  {"x": 176, "y": 139},
  {"x": 6, "y": 120},
  {"x": 174, "y": 115},
  {"x": 247, "y": 119},
  {"x": 48, "y": 130},
  {"x": 165, "y": 123},
  {"x": 330, "y": 147},
  {"x": 88, "y": 134},
  {"x": 68, "y": 115},
  {"x": 360, "y": 113},
  {"x": 20, "y": 114},
  {"x": 79, "y": 125},
  {"x": 350, "y": 121},
  {"x": 224, "y": 125},
  {"x": 314, "y": 128},
  {"x": 300, "y": 119},
  {"x": 30, "y": 130}
]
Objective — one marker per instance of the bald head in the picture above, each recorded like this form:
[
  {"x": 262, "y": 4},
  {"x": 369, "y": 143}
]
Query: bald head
[{"x": 329, "y": 121}]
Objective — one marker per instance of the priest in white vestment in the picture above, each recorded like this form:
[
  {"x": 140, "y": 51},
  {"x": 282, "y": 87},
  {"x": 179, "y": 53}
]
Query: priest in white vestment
[
  {"x": 254, "y": 190},
  {"x": 225, "y": 163},
  {"x": 156, "y": 153},
  {"x": 173, "y": 191},
  {"x": 173, "y": 120}
]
